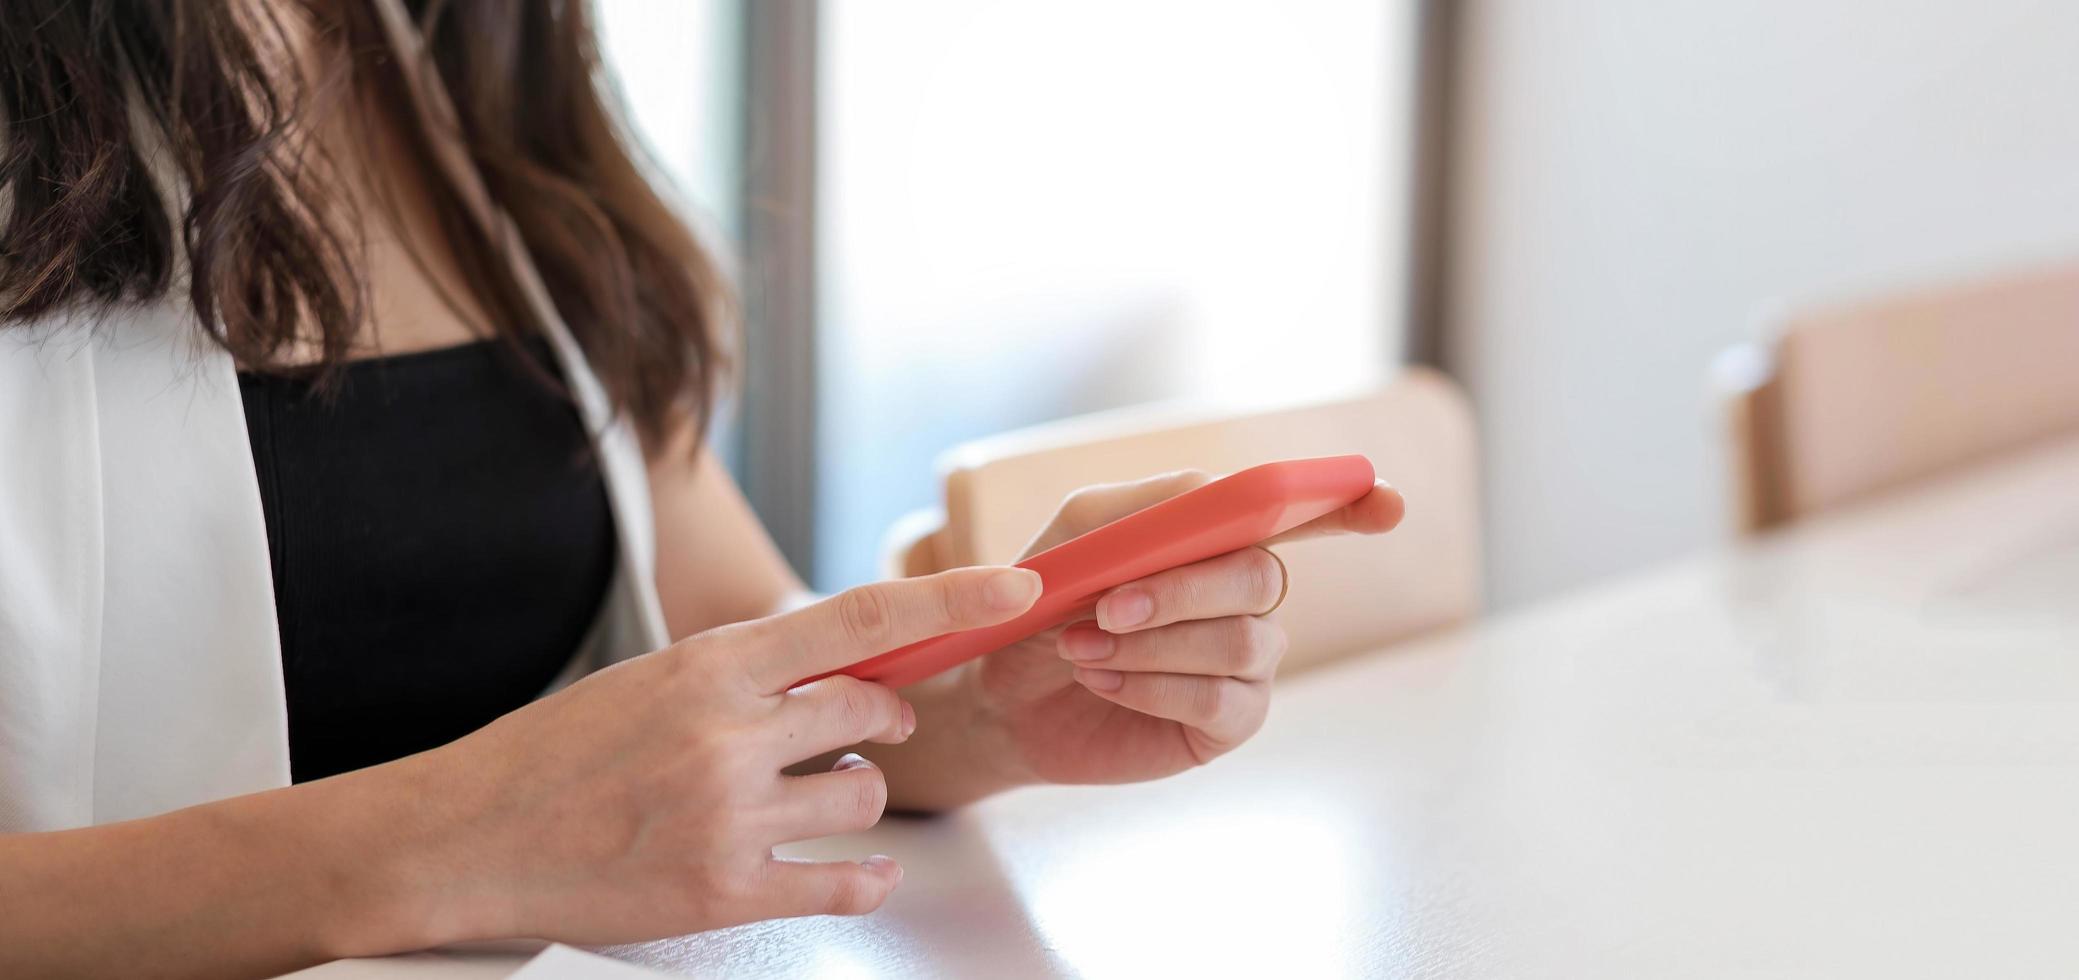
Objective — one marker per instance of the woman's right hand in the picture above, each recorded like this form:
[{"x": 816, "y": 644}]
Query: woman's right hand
[{"x": 645, "y": 800}]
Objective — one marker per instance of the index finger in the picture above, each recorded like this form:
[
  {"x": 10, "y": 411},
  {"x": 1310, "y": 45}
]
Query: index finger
[
  {"x": 1376, "y": 512},
  {"x": 873, "y": 619}
]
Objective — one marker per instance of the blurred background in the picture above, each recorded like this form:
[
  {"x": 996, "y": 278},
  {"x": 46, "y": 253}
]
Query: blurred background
[{"x": 956, "y": 217}]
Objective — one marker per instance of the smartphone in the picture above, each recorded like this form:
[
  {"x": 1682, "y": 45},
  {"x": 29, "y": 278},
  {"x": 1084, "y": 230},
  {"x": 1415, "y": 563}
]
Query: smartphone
[{"x": 1225, "y": 515}]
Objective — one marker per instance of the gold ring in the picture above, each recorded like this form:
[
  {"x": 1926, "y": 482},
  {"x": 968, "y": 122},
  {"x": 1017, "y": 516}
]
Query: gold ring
[{"x": 1284, "y": 581}]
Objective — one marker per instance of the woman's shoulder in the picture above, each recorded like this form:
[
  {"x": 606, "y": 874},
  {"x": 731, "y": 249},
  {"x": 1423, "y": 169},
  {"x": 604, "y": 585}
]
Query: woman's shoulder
[
  {"x": 81, "y": 375},
  {"x": 123, "y": 329},
  {"x": 55, "y": 303}
]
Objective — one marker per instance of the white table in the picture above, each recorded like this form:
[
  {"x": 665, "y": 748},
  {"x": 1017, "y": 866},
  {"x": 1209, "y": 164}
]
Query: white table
[{"x": 1850, "y": 749}]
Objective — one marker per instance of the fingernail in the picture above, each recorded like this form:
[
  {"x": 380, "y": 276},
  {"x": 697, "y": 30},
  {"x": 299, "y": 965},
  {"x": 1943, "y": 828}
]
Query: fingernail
[
  {"x": 1124, "y": 610},
  {"x": 1087, "y": 644},
  {"x": 1100, "y": 680},
  {"x": 909, "y": 719},
  {"x": 884, "y": 864},
  {"x": 1012, "y": 588}
]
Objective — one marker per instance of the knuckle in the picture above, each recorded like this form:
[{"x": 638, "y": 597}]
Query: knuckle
[
  {"x": 1269, "y": 646},
  {"x": 741, "y": 884},
  {"x": 720, "y": 777},
  {"x": 1169, "y": 591},
  {"x": 863, "y": 614},
  {"x": 724, "y": 832},
  {"x": 1242, "y": 644},
  {"x": 1252, "y": 721},
  {"x": 699, "y": 659},
  {"x": 1189, "y": 594},
  {"x": 713, "y": 862},
  {"x": 739, "y": 780},
  {"x": 950, "y": 598},
  {"x": 869, "y": 798},
  {"x": 1267, "y": 577},
  {"x": 1213, "y": 698},
  {"x": 847, "y": 896},
  {"x": 854, "y": 703}
]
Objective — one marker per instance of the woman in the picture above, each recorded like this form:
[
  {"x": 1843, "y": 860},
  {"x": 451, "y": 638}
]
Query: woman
[{"x": 351, "y": 389}]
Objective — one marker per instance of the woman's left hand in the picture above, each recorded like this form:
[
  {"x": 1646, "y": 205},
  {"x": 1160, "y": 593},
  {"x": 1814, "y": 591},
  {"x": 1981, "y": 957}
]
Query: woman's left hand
[{"x": 1175, "y": 669}]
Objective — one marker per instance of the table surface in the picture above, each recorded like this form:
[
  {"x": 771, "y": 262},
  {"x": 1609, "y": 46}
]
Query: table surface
[{"x": 1847, "y": 749}]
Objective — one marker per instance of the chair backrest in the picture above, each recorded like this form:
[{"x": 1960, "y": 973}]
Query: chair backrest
[
  {"x": 1858, "y": 398},
  {"x": 1348, "y": 593}
]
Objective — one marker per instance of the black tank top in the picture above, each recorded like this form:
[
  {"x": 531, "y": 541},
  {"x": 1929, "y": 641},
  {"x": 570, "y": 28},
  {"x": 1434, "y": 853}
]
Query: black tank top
[{"x": 441, "y": 542}]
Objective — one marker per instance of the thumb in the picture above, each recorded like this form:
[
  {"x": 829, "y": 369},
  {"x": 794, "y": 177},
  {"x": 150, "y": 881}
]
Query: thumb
[{"x": 1095, "y": 506}]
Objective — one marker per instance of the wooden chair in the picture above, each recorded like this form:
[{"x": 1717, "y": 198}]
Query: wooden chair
[
  {"x": 1348, "y": 593},
  {"x": 1850, "y": 400}
]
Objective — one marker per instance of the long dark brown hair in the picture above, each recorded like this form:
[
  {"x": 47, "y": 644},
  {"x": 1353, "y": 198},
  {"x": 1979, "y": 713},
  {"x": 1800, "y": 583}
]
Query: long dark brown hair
[{"x": 148, "y": 145}]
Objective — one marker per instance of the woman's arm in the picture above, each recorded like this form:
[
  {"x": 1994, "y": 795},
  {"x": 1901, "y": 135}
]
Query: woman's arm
[
  {"x": 715, "y": 562},
  {"x": 643, "y": 801},
  {"x": 254, "y": 885}
]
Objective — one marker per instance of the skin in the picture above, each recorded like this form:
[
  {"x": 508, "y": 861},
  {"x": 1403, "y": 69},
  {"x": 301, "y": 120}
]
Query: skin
[
  {"x": 645, "y": 800},
  {"x": 1173, "y": 671}
]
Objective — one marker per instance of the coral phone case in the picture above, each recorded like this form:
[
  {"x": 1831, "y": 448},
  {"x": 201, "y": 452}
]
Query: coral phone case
[{"x": 1227, "y": 514}]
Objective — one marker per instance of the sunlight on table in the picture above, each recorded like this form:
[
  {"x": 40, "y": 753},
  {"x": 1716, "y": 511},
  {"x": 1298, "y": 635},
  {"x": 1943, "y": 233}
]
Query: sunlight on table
[{"x": 1119, "y": 908}]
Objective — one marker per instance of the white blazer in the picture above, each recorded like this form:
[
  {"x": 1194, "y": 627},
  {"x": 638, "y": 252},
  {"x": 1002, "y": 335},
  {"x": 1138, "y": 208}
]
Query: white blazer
[{"x": 140, "y": 660}]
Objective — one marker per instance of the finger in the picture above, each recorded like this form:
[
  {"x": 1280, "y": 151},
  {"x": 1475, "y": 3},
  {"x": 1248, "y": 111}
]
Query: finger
[
  {"x": 1225, "y": 709},
  {"x": 1247, "y": 582},
  {"x": 1247, "y": 647},
  {"x": 839, "y": 711},
  {"x": 791, "y": 888},
  {"x": 850, "y": 797},
  {"x": 874, "y": 619},
  {"x": 1094, "y": 506},
  {"x": 1377, "y": 512}
]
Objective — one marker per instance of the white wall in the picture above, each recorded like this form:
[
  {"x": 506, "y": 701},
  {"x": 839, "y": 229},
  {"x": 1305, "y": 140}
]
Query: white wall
[{"x": 1639, "y": 181}]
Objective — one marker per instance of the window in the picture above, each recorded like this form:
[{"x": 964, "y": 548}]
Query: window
[
  {"x": 1025, "y": 210},
  {"x": 678, "y": 68},
  {"x": 678, "y": 65},
  {"x": 1029, "y": 210}
]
